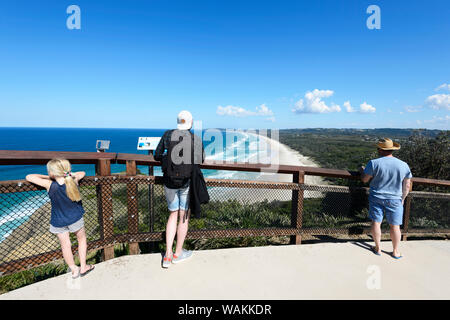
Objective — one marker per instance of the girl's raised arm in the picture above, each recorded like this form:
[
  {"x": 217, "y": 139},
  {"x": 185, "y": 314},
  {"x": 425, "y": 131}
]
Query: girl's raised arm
[
  {"x": 40, "y": 180},
  {"x": 79, "y": 175}
]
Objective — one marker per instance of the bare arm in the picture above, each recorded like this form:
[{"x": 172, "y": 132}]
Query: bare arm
[
  {"x": 40, "y": 180},
  {"x": 79, "y": 175},
  {"x": 406, "y": 187},
  {"x": 364, "y": 177}
]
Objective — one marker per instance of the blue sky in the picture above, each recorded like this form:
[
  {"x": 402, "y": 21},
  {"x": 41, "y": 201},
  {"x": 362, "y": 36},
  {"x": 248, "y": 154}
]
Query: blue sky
[{"x": 240, "y": 64}]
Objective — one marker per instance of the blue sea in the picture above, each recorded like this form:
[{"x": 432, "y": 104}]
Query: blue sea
[{"x": 239, "y": 146}]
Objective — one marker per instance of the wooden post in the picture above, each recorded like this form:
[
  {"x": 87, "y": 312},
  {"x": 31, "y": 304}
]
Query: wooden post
[
  {"x": 151, "y": 209},
  {"x": 132, "y": 206},
  {"x": 150, "y": 197},
  {"x": 406, "y": 214},
  {"x": 105, "y": 208},
  {"x": 297, "y": 207}
]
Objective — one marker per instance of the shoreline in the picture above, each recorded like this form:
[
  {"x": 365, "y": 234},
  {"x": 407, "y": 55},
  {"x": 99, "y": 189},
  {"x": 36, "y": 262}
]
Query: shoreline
[
  {"x": 289, "y": 156},
  {"x": 280, "y": 154}
]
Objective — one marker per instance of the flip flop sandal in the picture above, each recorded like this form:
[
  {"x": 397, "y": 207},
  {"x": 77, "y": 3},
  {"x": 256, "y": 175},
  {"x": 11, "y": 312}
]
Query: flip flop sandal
[
  {"x": 377, "y": 253},
  {"x": 396, "y": 257},
  {"x": 90, "y": 269}
]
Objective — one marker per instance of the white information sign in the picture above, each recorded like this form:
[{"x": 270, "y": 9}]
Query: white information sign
[{"x": 148, "y": 143}]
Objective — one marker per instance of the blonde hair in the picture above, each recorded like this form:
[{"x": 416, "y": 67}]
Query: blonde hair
[{"x": 62, "y": 168}]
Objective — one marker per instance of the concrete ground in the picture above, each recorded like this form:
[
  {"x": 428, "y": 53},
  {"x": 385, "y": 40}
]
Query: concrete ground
[{"x": 310, "y": 271}]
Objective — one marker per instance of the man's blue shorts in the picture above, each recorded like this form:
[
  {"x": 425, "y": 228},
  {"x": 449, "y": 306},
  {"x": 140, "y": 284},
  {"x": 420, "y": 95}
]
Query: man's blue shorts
[
  {"x": 392, "y": 207},
  {"x": 177, "y": 199}
]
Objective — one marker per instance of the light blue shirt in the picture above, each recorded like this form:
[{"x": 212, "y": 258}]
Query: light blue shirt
[{"x": 388, "y": 174}]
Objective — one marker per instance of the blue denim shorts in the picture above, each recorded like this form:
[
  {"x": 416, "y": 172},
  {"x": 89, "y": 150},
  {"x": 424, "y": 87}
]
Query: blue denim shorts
[
  {"x": 177, "y": 199},
  {"x": 392, "y": 207}
]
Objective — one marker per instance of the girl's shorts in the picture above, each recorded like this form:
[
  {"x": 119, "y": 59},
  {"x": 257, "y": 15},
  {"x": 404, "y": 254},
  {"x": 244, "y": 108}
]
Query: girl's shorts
[{"x": 74, "y": 227}]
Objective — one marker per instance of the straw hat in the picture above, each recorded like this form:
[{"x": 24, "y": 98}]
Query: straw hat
[
  {"x": 184, "y": 120},
  {"x": 387, "y": 144}
]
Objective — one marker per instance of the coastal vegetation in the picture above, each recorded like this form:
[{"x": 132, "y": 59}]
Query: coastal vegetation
[{"x": 347, "y": 149}]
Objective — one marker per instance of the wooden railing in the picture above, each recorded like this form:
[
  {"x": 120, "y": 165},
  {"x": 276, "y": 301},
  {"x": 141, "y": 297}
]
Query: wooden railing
[{"x": 104, "y": 180}]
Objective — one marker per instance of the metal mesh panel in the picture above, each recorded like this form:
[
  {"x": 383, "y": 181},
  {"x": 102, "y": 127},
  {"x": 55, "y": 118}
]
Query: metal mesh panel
[
  {"x": 133, "y": 209},
  {"x": 120, "y": 208},
  {"x": 246, "y": 208},
  {"x": 90, "y": 217},
  {"x": 144, "y": 204},
  {"x": 24, "y": 225},
  {"x": 429, "y": 211},
  {"x": 329, "y": 208}
]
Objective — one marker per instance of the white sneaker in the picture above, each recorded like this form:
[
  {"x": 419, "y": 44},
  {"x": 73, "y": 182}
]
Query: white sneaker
[
  {"x": 166, "y": 262},
  {"x": 185, "y": 254}
]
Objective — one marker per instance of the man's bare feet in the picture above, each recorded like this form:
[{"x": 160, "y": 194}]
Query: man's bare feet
[
  {"x": 396, "y": 254},
  {"x": 376, "y": 250}
]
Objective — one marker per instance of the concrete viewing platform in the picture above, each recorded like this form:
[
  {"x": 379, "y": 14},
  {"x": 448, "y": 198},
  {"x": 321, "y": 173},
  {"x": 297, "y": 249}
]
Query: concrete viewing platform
[{"x": 347, "y": 270}]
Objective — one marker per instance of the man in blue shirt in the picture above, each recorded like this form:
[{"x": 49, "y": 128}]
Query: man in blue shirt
[{"x": 390, "y": 184}]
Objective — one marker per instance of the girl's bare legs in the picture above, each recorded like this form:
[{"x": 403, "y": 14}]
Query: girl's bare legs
[
  {"x": 396, "y": 235},
  {"x": 376, "y": 235},
  {"x": 66, "y": 247},
  {"x": 171, "y": 229},
  {"x": 181, "y": 232},
  {"x": 82, "y": 248}
]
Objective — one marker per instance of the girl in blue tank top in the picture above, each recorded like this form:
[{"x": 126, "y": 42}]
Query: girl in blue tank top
[{"x": 67, "y": 210}]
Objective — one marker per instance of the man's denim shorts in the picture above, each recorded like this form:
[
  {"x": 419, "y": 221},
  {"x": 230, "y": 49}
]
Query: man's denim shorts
[
  {"x": 177, "y": 199},
  {"x": 392, "y": 207}
]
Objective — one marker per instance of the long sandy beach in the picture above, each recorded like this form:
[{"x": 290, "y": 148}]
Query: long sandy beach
[{"x": 277, "y": 154}]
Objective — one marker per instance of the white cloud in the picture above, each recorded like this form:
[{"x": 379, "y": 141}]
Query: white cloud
[
  {"x": 312, "y": 103},
  {"x": 413, "y": 108},
  {"x": 235, "y": 111},
  {"x": 444, "y": 86},
  {"x": 439, "y": 101},
  {"x": 232, "y": 111},
  {"x": 363, "y": 108},
  {"x": 263, "y": 110},
  {"x": 366, "y": 108},
  {"x": 348, "y": 107},
  {"x": 444, "y": 121}
]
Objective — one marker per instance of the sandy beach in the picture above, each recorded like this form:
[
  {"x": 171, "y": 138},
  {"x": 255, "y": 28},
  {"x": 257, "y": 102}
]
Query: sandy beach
[
  {"x": 284, "y": 155},
  {"x": 277, "y": 154}
]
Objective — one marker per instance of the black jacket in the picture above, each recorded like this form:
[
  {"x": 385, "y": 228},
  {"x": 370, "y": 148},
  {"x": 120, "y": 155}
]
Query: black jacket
[
  {"x": 164, "y": 145},
  {"x": 198, "y": 193}
]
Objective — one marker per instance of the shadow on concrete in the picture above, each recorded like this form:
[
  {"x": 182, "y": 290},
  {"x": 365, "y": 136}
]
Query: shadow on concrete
[
  {"x": 327, "y": 238},
  {"x": 366, "y": 246}
]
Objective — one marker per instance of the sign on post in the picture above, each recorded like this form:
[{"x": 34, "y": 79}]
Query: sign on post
[{"x": 148, "y": 143}]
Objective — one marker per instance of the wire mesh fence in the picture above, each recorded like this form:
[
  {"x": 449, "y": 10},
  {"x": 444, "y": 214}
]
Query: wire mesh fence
[
  {"x": 122, "y": 209},
  {"x": 429, "y": 211}
]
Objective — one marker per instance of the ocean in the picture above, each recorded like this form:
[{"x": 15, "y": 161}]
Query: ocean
[{"x": 225, "y": 145}]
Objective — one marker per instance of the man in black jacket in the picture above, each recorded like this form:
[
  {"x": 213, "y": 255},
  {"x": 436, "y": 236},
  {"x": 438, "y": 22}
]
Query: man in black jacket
[{"x": 177, "y": 172}]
